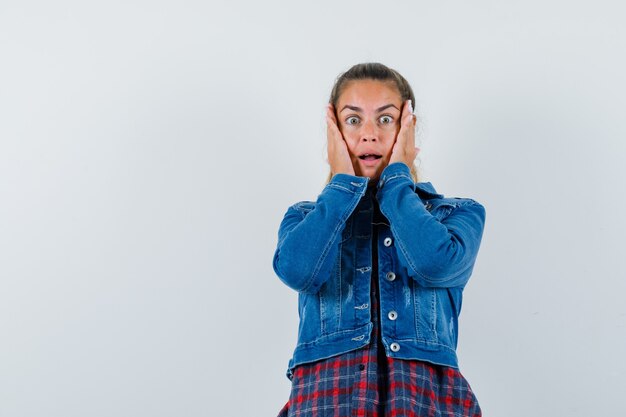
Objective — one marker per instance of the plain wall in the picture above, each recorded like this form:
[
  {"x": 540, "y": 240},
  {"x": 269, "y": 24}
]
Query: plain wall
[{"x": 149, "y": 149}]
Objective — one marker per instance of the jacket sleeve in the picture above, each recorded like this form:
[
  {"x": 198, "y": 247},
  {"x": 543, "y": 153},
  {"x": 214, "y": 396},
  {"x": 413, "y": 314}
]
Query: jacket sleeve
[
  {"x": 435, "y": 253},
  {"x": 308, "y": 240}
]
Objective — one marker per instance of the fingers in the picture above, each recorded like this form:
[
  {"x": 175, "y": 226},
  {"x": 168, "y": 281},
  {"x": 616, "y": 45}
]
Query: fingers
[
  {"x": 404, "y": 150},
  {"x": 407, "y": 125},
  {"x": 338, "y": 155},
  {"x": 330, "y": 111},
  {"x": 408, "y": 115},
  {"x": 330, "y": 115},
  {"x": 331, "y": 124},
  {"x": 334, "y": 136}
]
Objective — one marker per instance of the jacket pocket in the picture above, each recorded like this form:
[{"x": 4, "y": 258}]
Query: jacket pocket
[
  {"x": 425, "y": 301},
  {"x": 330, "y": 295},
  {"x": 309, "y": 312}
]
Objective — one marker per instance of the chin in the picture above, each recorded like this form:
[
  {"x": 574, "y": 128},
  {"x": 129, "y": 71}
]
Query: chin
[{"x": 372, "y": 175}]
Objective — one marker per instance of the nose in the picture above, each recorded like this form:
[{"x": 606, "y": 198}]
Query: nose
[{"x": 369, "y": 131}]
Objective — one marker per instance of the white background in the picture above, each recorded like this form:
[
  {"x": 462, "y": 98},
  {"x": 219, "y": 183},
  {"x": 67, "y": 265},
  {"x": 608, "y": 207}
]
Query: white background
[{"x": 149, "y": 149}]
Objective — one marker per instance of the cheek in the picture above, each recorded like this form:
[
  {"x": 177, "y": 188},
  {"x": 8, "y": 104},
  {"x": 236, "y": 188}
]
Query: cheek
[
  {"x": 352, "y": 141},
  {"x": 390, "y": 140},
  {"x": 390, "y": 131}
]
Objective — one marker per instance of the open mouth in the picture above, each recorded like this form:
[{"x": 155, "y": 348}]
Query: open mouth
[{"x": 370, "y": 157}]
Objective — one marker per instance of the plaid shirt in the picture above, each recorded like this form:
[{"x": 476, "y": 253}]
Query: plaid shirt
[{"x": 367, "y": 383}]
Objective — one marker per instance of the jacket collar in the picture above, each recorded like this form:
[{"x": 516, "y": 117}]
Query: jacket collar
[{"x": 426, "y": 190}]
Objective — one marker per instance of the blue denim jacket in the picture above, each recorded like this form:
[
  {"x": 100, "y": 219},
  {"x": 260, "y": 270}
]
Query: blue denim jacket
[{"x": 426, "y": 253}]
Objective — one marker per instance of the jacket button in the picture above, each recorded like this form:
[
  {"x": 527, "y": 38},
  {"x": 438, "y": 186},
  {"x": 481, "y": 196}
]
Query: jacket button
[
  {"x": 428, "y": 206},
  {"x": 387, "y": 241},
  {"x": 390, "y": 276},
  {"x": 392, "y": 315},
  {"x": 394, "y": 347}
]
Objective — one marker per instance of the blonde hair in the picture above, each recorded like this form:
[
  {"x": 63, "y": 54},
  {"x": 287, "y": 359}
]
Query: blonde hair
[{"x": 373, "y": 71}]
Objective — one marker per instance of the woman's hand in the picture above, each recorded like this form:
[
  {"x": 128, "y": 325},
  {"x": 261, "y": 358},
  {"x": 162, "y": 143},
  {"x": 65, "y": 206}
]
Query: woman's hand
[
  {"x": 338, "y": 155},
  {"x": 404, "y": 150}
]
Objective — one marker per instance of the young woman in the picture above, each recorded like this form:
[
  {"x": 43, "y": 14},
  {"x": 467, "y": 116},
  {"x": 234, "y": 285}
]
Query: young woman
[{"x": 379, "y": 262}]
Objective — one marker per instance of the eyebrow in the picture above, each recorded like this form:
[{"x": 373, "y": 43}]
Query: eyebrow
[{"x": 354, "y": 108}]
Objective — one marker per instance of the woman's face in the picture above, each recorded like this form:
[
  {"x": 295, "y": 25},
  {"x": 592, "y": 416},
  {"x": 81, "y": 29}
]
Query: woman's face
[{"x": 368, "y": 116}]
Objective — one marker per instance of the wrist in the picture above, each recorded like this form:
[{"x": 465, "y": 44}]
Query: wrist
[
  {"x": 348, "y": 182},
  {"x": 395, "y": 170}
]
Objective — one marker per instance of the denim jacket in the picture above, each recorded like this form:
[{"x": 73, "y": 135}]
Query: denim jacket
[{"x": 426, "y": 253}]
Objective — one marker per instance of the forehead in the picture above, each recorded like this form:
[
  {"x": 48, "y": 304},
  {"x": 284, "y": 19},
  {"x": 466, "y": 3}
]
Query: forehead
[{"x": 370, "y": 92}]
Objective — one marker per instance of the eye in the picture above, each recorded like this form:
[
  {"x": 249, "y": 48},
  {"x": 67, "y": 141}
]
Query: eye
[
  {"x": 386, "y": 119},
  {"x": 352, "y": 120}
]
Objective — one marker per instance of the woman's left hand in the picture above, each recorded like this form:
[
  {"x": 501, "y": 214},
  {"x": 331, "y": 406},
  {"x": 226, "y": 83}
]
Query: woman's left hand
[{"x": 404, "y": 150}]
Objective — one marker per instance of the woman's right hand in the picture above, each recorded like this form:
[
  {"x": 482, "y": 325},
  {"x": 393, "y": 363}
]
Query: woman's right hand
[{"x": 338, "y": 155}]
